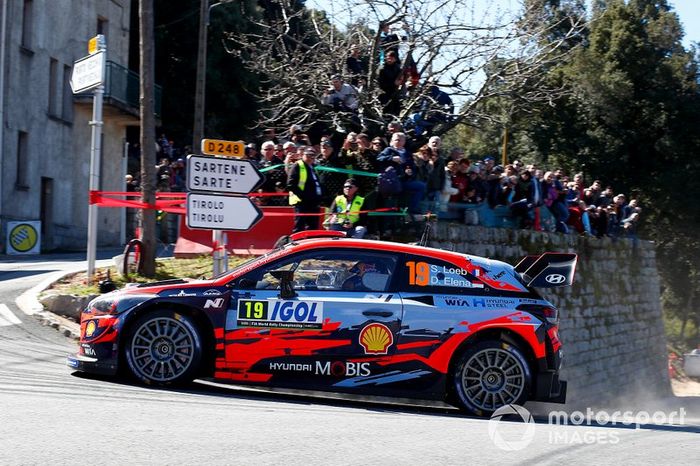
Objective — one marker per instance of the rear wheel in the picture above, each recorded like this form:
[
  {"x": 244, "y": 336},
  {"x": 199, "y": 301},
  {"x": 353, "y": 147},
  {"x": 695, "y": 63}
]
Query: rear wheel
[
  {"x": 163, "y": 348},
  {"x": 489, "y": 375}
]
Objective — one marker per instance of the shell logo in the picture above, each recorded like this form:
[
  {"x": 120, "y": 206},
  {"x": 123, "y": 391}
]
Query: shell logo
[
  {"x": 90, "y": 328},
  {"x": 376, "y": 338}
]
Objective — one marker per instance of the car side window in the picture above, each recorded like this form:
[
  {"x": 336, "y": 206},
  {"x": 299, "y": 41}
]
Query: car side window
[
  {"x": 427, "y": 275},
  {"x": 341, "y": 270}
]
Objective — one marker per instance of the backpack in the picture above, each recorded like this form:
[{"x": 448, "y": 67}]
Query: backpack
[{"x": 388, "y": 182}]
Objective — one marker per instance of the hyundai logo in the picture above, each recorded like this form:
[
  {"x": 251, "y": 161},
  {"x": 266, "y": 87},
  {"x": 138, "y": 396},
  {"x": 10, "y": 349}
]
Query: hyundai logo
[{"x": 555, "y": 278}]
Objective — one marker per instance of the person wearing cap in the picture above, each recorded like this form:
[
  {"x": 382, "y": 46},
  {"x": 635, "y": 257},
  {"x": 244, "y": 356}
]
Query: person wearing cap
[
  {"x": 341, "y": 96},
  {"x": 331, "y": 181},
  {"x": 398, "y": 157},
  {"x": 275, "y": 176},
  {"x": 355, "y": 65},
  {"x": 494, "y": 186},
  {"x": 489, "y": 163},
  {"x": 305, "y": 191},
  {"x": 251, "y": 152},
  {"x": 389, "y": 81},
  {"x": 345, "y": 211}
]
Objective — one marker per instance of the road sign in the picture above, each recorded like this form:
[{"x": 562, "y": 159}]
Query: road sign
[
  {"x": 88, "y": 72},
  {"x": 23, "y": 237},
  {"x": 220, "y": 175},
  {"x": 217, "y": 212},
  {"x": 220, "y": 147}
]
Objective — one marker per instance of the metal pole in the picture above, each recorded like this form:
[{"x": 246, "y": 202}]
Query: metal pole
[
  {"x": 200, "y": 83},
  {"x": 95, "y": 149},
  {"x": 3, "y": 46},
  {"x": 123, "y": 216},
  {"x": 216, "y": 245}
]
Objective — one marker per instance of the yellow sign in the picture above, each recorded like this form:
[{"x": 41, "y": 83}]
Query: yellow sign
[
  {"x": 227, "y": 148},
  {"x": 92, "y": 45},
  {"x": 96, "y": 44},
  {"x": 23, "y": 237}
]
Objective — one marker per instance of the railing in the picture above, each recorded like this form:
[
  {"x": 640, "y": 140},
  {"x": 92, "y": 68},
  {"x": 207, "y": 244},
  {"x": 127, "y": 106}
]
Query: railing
[{"x": 122, "y": 85}]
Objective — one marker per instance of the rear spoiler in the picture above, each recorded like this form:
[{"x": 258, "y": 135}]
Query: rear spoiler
[{"x": 549, "y": 270}]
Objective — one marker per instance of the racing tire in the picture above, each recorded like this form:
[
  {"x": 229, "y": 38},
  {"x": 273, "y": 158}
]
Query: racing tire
[
  {"x": 163, "y": 348},
  {"x": 489, "y": 375}
]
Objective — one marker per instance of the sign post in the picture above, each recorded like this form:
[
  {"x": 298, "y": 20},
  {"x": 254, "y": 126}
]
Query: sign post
[
  {"x": 89, "y": 73},
  {"x": 210, "y": 180}
]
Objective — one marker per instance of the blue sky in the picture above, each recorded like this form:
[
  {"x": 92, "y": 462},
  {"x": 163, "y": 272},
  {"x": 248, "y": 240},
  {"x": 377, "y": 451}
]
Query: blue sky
[{"x": 689, "y": 13}]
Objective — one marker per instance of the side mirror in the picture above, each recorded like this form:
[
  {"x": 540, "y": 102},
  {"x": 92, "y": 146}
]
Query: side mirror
[
  {"x": 286, "y": 278},
  {"x": 246, "y": 284}
]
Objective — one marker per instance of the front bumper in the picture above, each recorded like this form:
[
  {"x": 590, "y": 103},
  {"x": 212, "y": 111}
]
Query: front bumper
[{"x": 91, "y": 365}]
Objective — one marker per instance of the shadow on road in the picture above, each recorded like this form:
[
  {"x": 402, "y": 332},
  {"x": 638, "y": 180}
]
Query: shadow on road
[
  {"x": 11, "y": 275},
  {"x": 367, "y": 403}
]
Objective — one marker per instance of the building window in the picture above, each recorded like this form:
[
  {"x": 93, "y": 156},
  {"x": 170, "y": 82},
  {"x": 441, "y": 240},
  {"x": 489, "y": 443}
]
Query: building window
[
  {"x": 22, "y": 160},
  {"x": 67, "y": 111},
  {"x": 27, "y": 24},
  {"x": 102, "y": 26},
  {"x": 54, "y": 89}
]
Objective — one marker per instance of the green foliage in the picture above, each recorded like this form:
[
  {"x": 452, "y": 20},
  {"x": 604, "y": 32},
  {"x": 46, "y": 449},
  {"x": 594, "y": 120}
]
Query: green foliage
[
  {"x": 629, "y": 117},
  {"x": 230, "y": 109}
]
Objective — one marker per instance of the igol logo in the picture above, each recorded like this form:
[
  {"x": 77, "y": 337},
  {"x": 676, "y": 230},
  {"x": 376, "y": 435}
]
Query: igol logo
[{"x": 555, "y": 278}]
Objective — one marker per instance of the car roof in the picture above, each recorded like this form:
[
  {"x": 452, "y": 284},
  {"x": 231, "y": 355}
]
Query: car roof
[{"x": 387, "y": 246}]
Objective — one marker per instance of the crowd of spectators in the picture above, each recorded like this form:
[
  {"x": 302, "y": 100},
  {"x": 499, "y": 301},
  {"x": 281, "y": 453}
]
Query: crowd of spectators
[
  {"x": 345, "y": 177},
  {"x": 337, "y": 174},
  {"x": 391, "y": 171}
]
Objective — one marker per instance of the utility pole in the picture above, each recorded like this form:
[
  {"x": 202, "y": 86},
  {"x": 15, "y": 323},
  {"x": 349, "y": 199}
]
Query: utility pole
[
  {"x": 201, "y": 80},
  {"x": 218, "y": 237},
  {"x": 148, "y": 136}
]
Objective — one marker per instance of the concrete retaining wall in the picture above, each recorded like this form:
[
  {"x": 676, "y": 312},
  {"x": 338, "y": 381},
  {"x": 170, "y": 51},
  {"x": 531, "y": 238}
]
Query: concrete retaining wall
[{"x": 611, "y": 323}]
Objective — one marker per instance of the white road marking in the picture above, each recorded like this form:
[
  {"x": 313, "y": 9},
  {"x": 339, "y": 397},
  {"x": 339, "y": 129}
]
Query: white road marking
[{"x": 7, "y": 317}]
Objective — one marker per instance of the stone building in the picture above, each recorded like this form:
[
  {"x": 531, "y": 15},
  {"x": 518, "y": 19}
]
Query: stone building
[{"x": 46, "y": 137}]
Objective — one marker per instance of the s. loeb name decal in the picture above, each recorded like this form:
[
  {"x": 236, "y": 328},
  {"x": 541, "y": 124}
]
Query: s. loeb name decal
[{"x": 280, "y": 314}]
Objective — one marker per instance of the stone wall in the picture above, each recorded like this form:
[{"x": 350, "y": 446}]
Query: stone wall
[{"x": 611, "y": 323}]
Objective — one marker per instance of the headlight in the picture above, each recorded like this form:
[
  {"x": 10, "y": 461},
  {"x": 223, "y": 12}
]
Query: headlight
[{"x": 114, "y": 305}]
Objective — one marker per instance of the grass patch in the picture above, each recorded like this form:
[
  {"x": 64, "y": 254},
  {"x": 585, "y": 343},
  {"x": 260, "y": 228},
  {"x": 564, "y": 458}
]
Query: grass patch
[{"x": 166, "y": 269}]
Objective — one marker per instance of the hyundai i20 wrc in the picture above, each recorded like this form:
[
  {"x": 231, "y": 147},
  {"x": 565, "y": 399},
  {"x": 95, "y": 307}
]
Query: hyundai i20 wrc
[{"x": 345, "y": 315}]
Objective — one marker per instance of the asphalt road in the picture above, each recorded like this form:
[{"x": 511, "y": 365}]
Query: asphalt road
[{"x": 48, "y": 414}]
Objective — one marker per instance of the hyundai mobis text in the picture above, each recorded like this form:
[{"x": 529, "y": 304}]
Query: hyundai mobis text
[{"x": 345, "y": 315}]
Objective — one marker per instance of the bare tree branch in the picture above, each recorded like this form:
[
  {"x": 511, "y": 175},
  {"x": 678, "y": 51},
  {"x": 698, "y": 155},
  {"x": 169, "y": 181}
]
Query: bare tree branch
[{"x": 470, "y": 53}]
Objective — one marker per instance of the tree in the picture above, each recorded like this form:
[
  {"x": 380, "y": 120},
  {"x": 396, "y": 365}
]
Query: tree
[
  {"x": 176, "y": 23},
  {"x": 629, "y": 117},
  {"x": 294, "y": 50},
  {"x": 148, "y": 136}
]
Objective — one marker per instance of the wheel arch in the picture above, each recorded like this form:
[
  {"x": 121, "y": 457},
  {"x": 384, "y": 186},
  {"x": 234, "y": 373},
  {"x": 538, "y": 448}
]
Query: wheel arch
[
  {"x": 496, "y": 333},
  {"x": 204, "y": 325}
]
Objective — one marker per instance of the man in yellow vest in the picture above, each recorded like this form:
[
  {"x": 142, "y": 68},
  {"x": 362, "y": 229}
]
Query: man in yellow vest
[
  {"x": 305, "y": 192},
  {"x": 345, "y": 211}
]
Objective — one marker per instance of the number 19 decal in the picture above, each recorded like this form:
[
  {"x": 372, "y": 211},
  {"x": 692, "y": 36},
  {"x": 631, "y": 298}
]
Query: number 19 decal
[
  {"x": 256, "y": 310},
  {"x": 418, "y": 273}
]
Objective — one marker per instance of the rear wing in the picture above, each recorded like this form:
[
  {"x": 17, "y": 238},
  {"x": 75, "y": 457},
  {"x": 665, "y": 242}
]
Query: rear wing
[{"x": 549, "y": 270}]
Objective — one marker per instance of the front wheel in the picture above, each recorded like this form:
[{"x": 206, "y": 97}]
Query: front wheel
[
  {"x": 489, "y": 375},
  {"x": 163, "y": 348}
]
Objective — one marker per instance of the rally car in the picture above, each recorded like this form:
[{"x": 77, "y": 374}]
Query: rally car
[{"x": 344, "y": 315}]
